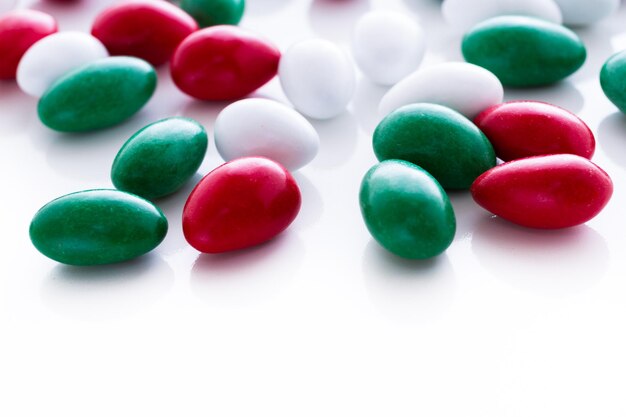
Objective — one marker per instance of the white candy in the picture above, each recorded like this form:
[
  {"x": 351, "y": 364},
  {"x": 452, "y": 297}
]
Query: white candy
[
  {"x": 463, "y": 14},
  {"x": 318, "y": 78},
  {"x": 586, "y": 12},
  {"x": 261, "y": 127},
  {"x": 6, "y": 5},
  {"x": 387, "y": 46},
  {"x": 53, "y": 56},
  {"x": 466, "y": 88}
]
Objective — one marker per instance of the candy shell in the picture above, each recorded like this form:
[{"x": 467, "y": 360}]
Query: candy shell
[
  {"x": 612, "y": 78},
  {"x": 586, "y": 12},
  {"x": 214, "y": 12}
]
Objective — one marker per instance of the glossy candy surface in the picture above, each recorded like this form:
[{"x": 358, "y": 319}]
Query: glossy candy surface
[
  {"x": 466, "y": 88},
  {"x": 524, "y": 51},
  {"x": 261, "y": 127},
  {"x": 546, "y": 192},
  {"x": 98, "y": 95},
  {"x": 613, "y": 80},
  {"x": 318, "y": 78},
  {"x": 54, "y": 56},
  {"x": 406, "y": 210},
  {"x": 214, "y": 12},
  {"x": 97, "y": 227},
  {"x": 586, "y": 12},
  {"x": 147, "y": 29},
  {"x": 240, "y": 204},
  {"x": 19, "y": 29},
  {"x": 223, "y": 63},
  {"x": 519, "y": 129},
  {"x": 440, "y": 140},
  {"x": 160, "y": 158}
]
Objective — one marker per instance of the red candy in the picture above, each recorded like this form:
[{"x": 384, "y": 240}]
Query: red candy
[
  {"x": 545, "y": 192},
  {"x": 240, "y": 204},
  {"x": 223, "y": 63},
  {"x": 20, "y": 29},
  {"x": 146, "y": 29},
  {"x": 519, "y": 129}
]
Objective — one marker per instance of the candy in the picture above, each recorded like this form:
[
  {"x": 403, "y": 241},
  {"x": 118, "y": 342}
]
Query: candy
[
  {"x": 223, "y": 63},
  {"x": 523, "y": 51},
  {"x": 240, "y": 204},
  {"x": 160, "y": 158},
  {"x": 520, "y": 129},
  {"x": 54, "y": 56},
  {"x": 440, "y": 140},
  {"x": 463, "y": 14},
  {"x": 406, "y": 210},
  {"x": 466, "y": 88},
  {"x": 318, "y": 78},
  {"x": 612, "y": 78},
  {"x": 97, "y": 227},
  {"x": 214, "y": 12},
  {"x": 586, "y": 12},
  {"x": 545, "y": 192},
  {"x": 20, "y": 29},
  {"x": 260, "y": 127},
  {"x": 6, "y": 5},
  {"x": 387, "y": 46},
  {"x": 147, "y": 29},
  {"x": 98, "y": 95}
]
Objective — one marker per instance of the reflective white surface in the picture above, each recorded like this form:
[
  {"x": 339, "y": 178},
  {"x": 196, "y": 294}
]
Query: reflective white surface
[{"x": 319, "y": 322}]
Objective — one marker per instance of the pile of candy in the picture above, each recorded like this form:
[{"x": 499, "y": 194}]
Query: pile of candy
[{"x": 445, "y": 125}]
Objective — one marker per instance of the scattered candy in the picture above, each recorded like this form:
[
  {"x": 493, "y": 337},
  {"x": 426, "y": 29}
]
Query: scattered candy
[
  {"x": 240, "y": 204},
  {"x": 54, "y": 56},
  {"x": 318, "y": 78},
  {"x": 519, "y": 129},
  {"x": 97, "y": 227},
  {"x": 147, "y": 29},
  {"x": 440, "y": 140},
  {"x": 214, "y": 12},
  {"x": 406, "y": 210},
  {"x": 387, "y": 46},
  {"x": 98, "y": 95},
  {"x": 223, "y": 63},
  {"x": 466, "y": 88},
  {"x": 524, "y": 51},
  {"x": 260, "y": 127},
  {"x": 463, "y": 14},
  {"x": 586, "y": 12},
  {"x": 545, "y": 192},
  {"x": 160, "y": 158},
  {"x": 19, "y": 29},
  {"x": 612, "y": 78}
]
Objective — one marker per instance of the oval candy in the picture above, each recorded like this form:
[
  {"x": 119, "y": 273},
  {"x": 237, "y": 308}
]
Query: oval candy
[
  {"x": 261, "y": 127},
  {"x": 240, "y": 204},
  {"x": 98, "y": 95},
  {"x": 519, "y": 129},
  {"x": 586, "y": 12},
  {"x": 524, "y": 51},
  {"x": 19, "y": 29},
  {"x": 438, "y": 139},
  {"x": 318, "y": 78},
  {"x": 214, "y": 12},
  {"x": 223, "y": 63},
  {"x": 387, "y": 46},
  {"x": 54, "y": 56},
  {"x": 466, "y": 88},
  {"x": 544, "y": 192},
  {"x": 406, "y": 210},
  {"x": 147, "y": 29},
  {"x": 160, "y": 158},
  {"x": 97, "y": 227},
  {"x": 612, "y": 78}
]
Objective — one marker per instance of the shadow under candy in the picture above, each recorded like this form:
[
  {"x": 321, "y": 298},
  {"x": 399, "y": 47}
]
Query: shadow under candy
[
  {"x": 264, "y": 7},
  {"x": 365, "y": 104},
  {"x": 312, "y": 204},
  {"x": 338, "y": 140},
  {"x": 611, "y": 138},
  {"x": 563, "y": 94}
]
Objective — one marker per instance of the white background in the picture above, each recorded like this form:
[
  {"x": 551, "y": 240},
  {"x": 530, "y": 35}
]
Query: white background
[{"x": 508, "y": 322}]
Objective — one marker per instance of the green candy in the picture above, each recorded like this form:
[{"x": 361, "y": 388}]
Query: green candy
[
  {"x": 440, "y": 140},
  {"x": 524, "y": 51},
  {"x": 406, "y": 210},
  {"x": 97, "y": 227},
  {"x": 98, "y": 95},
  {"x": 613, "y": 80},
  {"x": 160, "y": 158},
  {"x": 214, "y": 12}
]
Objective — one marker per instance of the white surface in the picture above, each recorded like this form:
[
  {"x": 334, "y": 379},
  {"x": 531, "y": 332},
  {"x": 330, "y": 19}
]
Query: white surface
[{"x": 320, "y": 322}]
